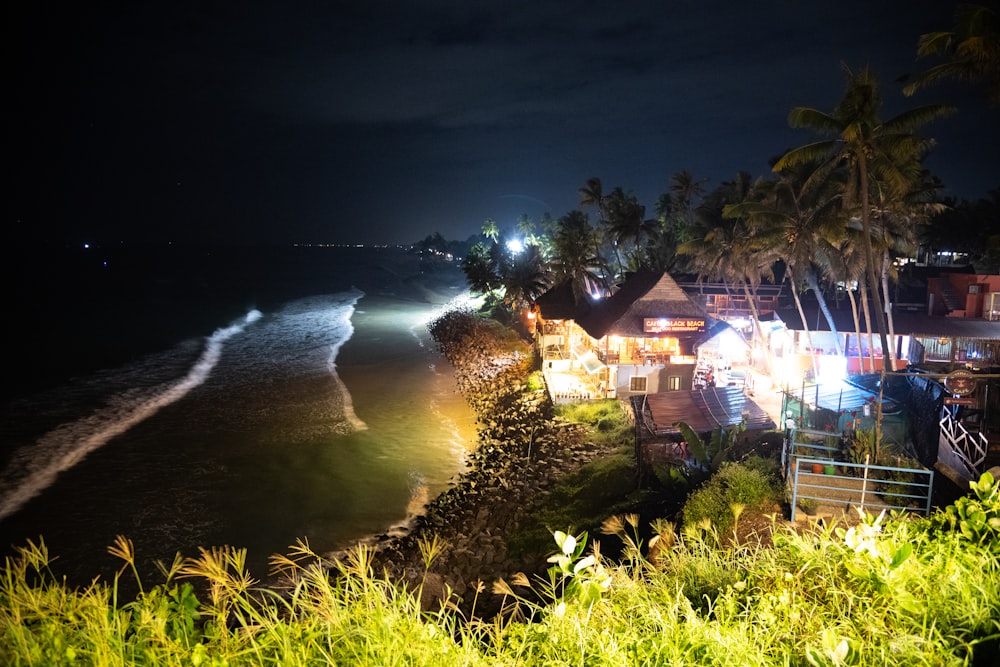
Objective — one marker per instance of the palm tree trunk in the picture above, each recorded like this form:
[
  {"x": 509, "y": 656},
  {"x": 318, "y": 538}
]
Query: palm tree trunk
[
  {"x": 868, "y": 327},
  {"x": 888, "y": 310},
  {"x": 825, "y": 308},
  {"x": 857, "y": 329},
  {"x": 866, "y": 225},
  {"x": 873, "y": 281},
  {"x": 760, "y": 332},
  {"x": 805, "y": 325}
]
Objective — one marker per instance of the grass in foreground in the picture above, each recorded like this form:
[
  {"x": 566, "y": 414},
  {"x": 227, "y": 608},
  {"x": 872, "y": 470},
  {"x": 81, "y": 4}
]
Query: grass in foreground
[{"x": 887, "y": 591}]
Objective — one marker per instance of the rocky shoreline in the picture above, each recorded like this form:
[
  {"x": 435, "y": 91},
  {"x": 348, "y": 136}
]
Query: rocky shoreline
[{"x": 522, "y": 451}]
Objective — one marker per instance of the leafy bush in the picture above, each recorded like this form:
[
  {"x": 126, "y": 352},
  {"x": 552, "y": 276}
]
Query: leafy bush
[
  {"x": 862, "y": 448},
  {"x": 976, "y": 519},
  {"x": 746, "y": 485},
  {"x": 606, "y": 417},
  {"x": 536, "y": 382}
]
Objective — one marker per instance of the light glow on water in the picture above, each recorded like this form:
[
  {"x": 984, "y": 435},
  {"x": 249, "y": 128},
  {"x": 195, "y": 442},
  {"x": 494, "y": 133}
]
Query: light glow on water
[{"x": 320, "y": 420}]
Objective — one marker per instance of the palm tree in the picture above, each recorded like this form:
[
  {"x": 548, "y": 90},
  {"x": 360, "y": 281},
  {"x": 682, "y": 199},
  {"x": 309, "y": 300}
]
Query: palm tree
[
  {"x": 659, "y": 253},
  {"x": 674, "y": 222},
  {"x": 685, "y": 190},
  {"x": 490, "y": 229},
  {"x": 573, "y": 256},
  {"x": 592, "y": 194},
  {"x": 843, "y": 261},
  {"x": 626, "y": 226},
  {"x": 967, "y": 227},
  {"x": 868, "y": 149},
  {"x": 972, "y": 50},
  {"x": 728, "y": 250},
  {"x": 480, "y": 269},
  {"x": 525, "y": 278},
  {"x": 895, "y": 220},
  {"x": 794, "y": 220}
]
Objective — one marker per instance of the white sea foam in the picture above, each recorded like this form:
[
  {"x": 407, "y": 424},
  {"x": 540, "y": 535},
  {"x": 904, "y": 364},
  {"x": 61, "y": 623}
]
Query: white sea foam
[
  {"x": 331, "y": 364},
  {"x": 35, "y": 468}
]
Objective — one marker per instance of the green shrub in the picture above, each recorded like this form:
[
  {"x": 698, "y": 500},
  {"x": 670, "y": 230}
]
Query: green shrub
[
  {"x": 608, "y": 421},
  {"x": 583, "y": 499},
  {"x": 708, "y": 503},
  {"x": 768, "y": 467},
  {"x": 536, "y": 382},
  {"x": 744, "y": 484}
]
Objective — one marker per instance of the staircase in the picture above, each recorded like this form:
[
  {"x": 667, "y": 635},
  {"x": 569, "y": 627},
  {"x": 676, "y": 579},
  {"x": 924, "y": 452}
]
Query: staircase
[
  {"x": 963, "y": 450},
  {"x": 951, "y": 299}
]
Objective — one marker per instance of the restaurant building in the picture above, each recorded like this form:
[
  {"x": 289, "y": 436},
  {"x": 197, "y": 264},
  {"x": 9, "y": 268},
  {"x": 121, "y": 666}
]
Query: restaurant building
[{"x": 649, "y": 337}]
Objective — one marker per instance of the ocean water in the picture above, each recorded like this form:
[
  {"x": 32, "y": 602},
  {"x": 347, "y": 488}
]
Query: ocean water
[{"x": 316, "y": 407}]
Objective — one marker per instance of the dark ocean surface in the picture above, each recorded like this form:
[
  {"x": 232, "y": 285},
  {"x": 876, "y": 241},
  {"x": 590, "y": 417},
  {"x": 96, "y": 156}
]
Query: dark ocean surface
[{"x": 189, "y": 397}]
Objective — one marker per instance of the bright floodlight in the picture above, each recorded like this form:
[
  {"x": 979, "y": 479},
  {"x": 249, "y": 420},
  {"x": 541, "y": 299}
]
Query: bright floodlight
[{"x": 515, "y": 246}]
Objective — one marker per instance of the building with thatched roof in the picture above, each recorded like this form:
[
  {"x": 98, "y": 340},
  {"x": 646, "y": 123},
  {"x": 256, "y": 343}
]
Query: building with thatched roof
[{"x": 646, "y": 338}]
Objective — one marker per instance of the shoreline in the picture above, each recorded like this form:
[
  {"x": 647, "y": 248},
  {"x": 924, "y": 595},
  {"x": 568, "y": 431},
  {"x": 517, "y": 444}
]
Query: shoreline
[
  {"x": 425, "y": 302},
  {"x": 510, "y": 471},
  {"x": 83, "y": 556}
]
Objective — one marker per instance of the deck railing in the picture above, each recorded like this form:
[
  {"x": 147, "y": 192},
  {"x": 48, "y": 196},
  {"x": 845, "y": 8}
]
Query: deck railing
[{"x": 959, "y": 448}]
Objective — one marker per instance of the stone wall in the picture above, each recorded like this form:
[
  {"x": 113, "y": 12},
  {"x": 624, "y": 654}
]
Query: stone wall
[{"x": 523, "y": 449}]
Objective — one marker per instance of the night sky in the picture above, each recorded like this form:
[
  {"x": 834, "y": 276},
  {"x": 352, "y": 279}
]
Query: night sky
[{"x": 382, "y": 122}]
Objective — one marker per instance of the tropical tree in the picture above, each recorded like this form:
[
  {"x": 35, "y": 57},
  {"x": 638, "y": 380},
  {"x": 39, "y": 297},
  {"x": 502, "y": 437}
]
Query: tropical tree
[
  {"x": 673, "y": 224},
  {"x": 481, "y": 269},
  {"x": 843, "y": 262},
  {"x": 573, "y": 255},
  {"x": 728, "y": 250},
  {"x": 686, "y": 193},
  {"x": 971, "y": 49},
  {"x": 528, "y": 231},
  {"x": 869, "y": 150},
  {"x": 626, "y": 227},
  {"x": 592, "y": 194},
  {"x": 794, "y": 217},
  {"x": 666, "y": 233},
  {"x": 525, "y": 277},
  {"x": 505, "y": 274},
  {"x": 490, "y": 229},
  {"x": 967, "y": 227},
  {"x": 896, "y": 218}
]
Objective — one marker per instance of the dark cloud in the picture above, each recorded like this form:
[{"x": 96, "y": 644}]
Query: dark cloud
[{"x": 385, "y": 121}]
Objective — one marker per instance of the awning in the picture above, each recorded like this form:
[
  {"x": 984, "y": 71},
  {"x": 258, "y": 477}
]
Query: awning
[{"x": 586, "y": 356}]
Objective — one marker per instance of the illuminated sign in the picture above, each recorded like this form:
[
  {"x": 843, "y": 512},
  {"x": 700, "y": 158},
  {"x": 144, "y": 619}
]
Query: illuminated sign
[
  {"x": 960, "y": 382},
  {"x": 967, "y": 402},
  {"x": 655, "y": 325}
]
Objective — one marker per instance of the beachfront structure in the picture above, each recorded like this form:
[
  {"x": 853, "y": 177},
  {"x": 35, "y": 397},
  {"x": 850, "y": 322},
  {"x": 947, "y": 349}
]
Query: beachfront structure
[
  {"x": 649, "y": 337},
  {"x": 946, "y": 318},
  {"x": 955, "y": 329},
  {"x": 917, "y": 339}
]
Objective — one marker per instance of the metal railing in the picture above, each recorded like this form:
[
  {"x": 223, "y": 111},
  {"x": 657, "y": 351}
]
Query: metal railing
[
  {"x": 806, "y": 442},
  {"x": 825, "y": 482}
]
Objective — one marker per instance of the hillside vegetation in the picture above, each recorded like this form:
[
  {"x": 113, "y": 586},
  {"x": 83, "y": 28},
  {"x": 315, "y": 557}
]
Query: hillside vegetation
[{"x": 889, "y": 590}]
